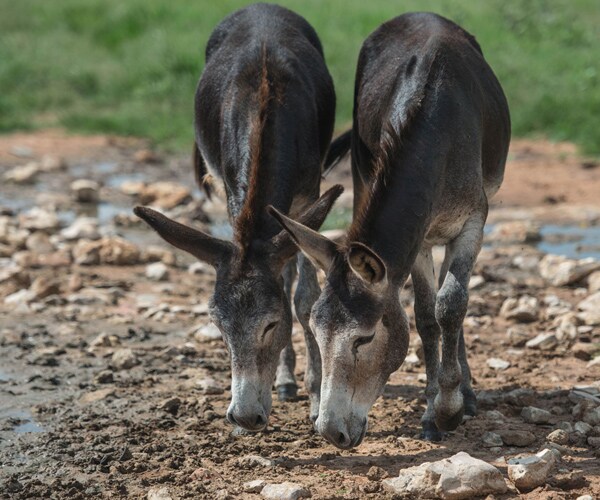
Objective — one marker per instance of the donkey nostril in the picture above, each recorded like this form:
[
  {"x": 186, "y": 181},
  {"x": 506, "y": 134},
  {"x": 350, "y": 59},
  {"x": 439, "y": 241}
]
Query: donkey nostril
[
  {"x": 343, "y": 440},
  {"x": 260, "y": 421},
  {"x": 231, "y": 418}
]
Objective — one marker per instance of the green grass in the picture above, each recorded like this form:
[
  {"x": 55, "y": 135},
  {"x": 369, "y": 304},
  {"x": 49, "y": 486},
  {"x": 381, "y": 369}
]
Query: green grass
[{"x": 131, "y": 66}]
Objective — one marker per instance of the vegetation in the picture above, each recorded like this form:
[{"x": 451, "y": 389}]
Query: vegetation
[{"x": 130, "y": 67}]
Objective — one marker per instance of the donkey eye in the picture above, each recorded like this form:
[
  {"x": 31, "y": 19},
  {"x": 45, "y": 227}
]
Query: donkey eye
[
  {"x": 363, "y": 341},
  {"x": 270, "y": 327}
]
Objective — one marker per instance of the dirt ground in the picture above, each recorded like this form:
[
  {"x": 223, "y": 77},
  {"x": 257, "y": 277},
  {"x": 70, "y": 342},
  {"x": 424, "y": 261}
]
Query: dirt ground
[{"x": 76, "y": 422}]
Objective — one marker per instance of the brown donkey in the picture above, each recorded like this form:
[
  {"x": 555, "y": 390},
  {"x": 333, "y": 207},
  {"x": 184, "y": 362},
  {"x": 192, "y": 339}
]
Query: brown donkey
[
  {"x": 429, "y": 143},
  {"x": 265, "y": 107}
]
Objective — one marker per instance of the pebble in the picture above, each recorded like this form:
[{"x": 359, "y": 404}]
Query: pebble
[
  {"x": 285, "y": 491},
  {"x": 558, "y": 270},
  {"x": 39, "y": 242},
  {"x": 108, "y": 250},
  {"x": 518, "y": 335},
  {"x": 532, "y": 471},
  {"x": 39, "y": 219},
  {"x": 594, "y": 441},
  {"x": 498, "y": 364},
  {"x": 165, "y": 195},
  {"x": 255, "y": 461},
  {"x": 533, "y": 415},
  {"x": 565, "y": 426},
  {"x": 24, "y": 174},
  {"x": 205, "y": 333},
  {"x": 494, "y": 415},
  {"x": 124, "y": 359},
  {"x": 491, "y": 440},
  {"x": 457, "y": 477},
  {"x": 159, "y": 493},
  {"x": 254, "y": 486},
  {"x": 85, "y": 191},
  {"x": 516, "y": 438},
  {"x": 543, "y": 341},
  {"x": 104, "y": 377},
  {"x": 558, "y": 436},
  {"x": 82, "y": 228},
  {"x": 525, "y": 309},
  {"x": 590, "y": 308},
  {"x": 157, "y": 271},
  {"x": 582, "y": 428}
]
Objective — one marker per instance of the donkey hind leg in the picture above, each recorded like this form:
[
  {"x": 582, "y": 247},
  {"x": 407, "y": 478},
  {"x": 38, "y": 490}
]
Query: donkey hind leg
[
  {"x": 423, "y": 277},
  {"x": 285, "y": 381},
  {"x": 307, "y": 292},
  {"x": 450, "y": 310}
]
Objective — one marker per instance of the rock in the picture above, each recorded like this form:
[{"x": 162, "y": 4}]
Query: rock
[
  {"x": 43, "y": 287},
  {"x": 205, "y": 333},
  {"x": 146, "y": 156},
  {"x": 255, "y": 461},
  {"x": 533, "y": 415},
  {"x": 20, "y": 297},
  {"x": 476, "y": 282},
  {"x": 132, "y": 188},
  {"x": 543, "y": 342},
  {"x": 558, "y": 436},
  {"x": 590, "y": 308},
  {"x": 491, "y": 440},
  {"x": 583, "y": 428},
  {"x": 411, "y": 362},
  {"x": 591, "y": 416},
  {"x": 494, "y": 415},
  {"x": 593, "y": 282},
  {"x": 585, "y": 497},
  {"x": 104, "y": 377},
  {"x": 254, "y": 486},
  {"x": 199, "y": 268},
  {"x": 39, "y": 242},
  {"x": 85, "y": 191},
  {"x": 284, "y": 491},
  {"x": 39, "y": 219},
  {"x": 376, "y": 473},
  {"x": 159, "y": 493},
  {"x": 208, "y": 385},
  {"x": 154, "y": 253},
  {"x": 523, "y": 310},
  {"x": 166, "y": 195},
  {"x": 171, "y": 405},
  {"x": 515, "y": 232},
  {"x": 157, "y": 271},
  {"x": 24, "y": 174},
  {"x": 82, "y": 228},
  {"x": 498, "y": 364},
  {"x": 124, "y": 359},
  {"x": 561, "y": 271},
  {"x": 107, "y": 250},
  {"x": 51, "y": 163},
  {"x": 594, "y": 441},
  {"x": 457, "y": 477},
  {"x": 532, "y": 471},
  {"x": 99, "y": 395},
  {"x": 518, "y": 335},
  {"x": 565, "y": 426},
  {"x": 516, "y": 438}
]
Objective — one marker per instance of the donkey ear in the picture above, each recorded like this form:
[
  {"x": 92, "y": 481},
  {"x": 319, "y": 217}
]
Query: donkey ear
[
  {"x": 284, "y": 243},
  {"x": 201, "y": 245},
  {"x": 366, "y": 264}
]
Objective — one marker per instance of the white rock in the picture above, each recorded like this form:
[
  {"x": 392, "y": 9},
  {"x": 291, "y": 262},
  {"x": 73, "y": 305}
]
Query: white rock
[
  {"x": 532, "y": 471},
  {"x": 85, "y": 190},
  {"x": 543, "y": 341},
  {"x": 22, "y": 296},
  {"x": 590, "y": 308},
  {"x": 525, "y": 309},
  {"x": 123, "y": 359},
  {"x": 285, "y": 491},
  {"x": 457, "y": 477},
  {"x": 515, "y": 232},
  {"x": 585, "y": 497},
  {"x": 498, "y": 364},
  {"x": 593, "y": 282},
  {"x": 198, "y": 268},
  {"x": 82, "y": 228},
  {"x": 205, "y": 333},
  {"x": 157, "y": 271},
  {"x": 159, "y": 493},
  {"x": 476, "y": 282},
  {"x": 560, "y": 271},
  {"x": 39, "y": 219},
  {"x": 23, "y": 174},
  {"x": 533, "y": 415},
  {"x": 254, "y": 486},
  {"x": 39, "y": 242}
]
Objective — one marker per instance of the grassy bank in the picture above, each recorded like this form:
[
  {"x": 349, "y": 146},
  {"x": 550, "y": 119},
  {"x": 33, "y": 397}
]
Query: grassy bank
[{"x": 131, "y": 67}]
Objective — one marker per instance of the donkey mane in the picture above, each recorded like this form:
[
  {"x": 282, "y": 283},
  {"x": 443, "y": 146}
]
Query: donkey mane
[{"x": 249, "y": 216}]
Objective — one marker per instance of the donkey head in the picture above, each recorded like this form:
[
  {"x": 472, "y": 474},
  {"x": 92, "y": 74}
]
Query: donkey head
[
  {"x": 248, "y": 305},
  {"x": 360, "y": 327}
]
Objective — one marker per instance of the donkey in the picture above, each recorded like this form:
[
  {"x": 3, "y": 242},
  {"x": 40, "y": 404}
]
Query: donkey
[
  {"x": 264, "y": 114},
  {"x": 430, "y": 137}
]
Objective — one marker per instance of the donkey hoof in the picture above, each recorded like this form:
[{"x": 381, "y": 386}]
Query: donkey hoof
[
  {"x": 287, "y": 392},
  {"x": 431, "y": 433},
  {"x": 450, "y": 423},
  {"x": 470, "y": 408}
]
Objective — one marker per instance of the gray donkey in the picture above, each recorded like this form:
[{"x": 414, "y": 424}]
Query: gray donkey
[
  {"x": 265, "y": 108},
  {"x": 429, "y": 143}
]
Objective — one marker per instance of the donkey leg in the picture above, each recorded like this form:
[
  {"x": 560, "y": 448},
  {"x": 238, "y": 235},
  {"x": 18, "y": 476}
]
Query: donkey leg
[
  {"x": 285, "y": 381},
  {"x": 307, "y": 292},
  {"x": 424, "y": 286},
  {"x": 450, "y": 310}
]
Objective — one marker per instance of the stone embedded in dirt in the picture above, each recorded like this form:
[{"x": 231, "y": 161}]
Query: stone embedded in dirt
[
  {"x": 565, "y": 426},
  {"x": 532, "y": 471},
  {"x": 255, "y": 461},
  {"x": 515, "y": 232},
  {"x": 558, "y": 436},
  {"x": 166, "y": 195},
  {"x": 457, "y": 477},
  {"x": 376, "y": 473},
  {"x": 39, "y": 219},
  {"x": 516, "y": 438},
  {"x": 585, "y": 497},
  {"x": 561, "y": 271},
  {"x": 590, "y": 309},
  {"x": 498, "y": 364},
  {"x": 255, "y": 486},
  {"x": 593, "y": 282},
  {"x": 108, "y": 250},
  {"x": 157, "y": 271},
  {"x": 208, "y": 385},
  {"x": 491, "y": 440},
  {"x": 285, "y": 491},
  {"x": 105, "y": 340},
  {"x": 518, "y": 335},
  {"x": 24, "y": 174},
  {"x": 525, "y": 309},
  {"x": 22, "y": 296},
  {"x": 533, "y": 415},
  {"x": 99, "y": 395},
  {"x": 584, "y": 350},
  {"x": 85, "y": 191},
  {"x": 543, "y": 342},
  {"x": 583, "y": 428},
  {"x": 594, "y": 441},
  {"x": 82, "y": 228},
  {"x": 592, "y": 416},
  {"x": 124, "y": 359},
  {"x": 205, "y": 333},
  {"x": 159, "y": 493}
]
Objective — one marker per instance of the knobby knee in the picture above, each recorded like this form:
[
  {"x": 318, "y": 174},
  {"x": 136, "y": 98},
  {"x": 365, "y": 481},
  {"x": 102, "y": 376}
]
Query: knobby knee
[{"x": 451, "y": 305}]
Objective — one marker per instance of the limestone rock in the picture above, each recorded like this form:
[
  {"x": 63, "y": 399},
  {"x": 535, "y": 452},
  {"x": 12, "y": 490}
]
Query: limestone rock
[
  {"x": 558, "y": 436},
  {"x": 561, "y": 271},
  {"x": 39, "y": 219},
  {"x": 124, "y": 359},
  {"x": 525, "y": 309},
  {"x": 543, "y": 342},
  {"x": 255, "y": 486},
  {"x": 533, "y": 415},
  {"x": 85, "y": 191},
  {"x": 590, "y": 308},
  {"x": 497, "y": 364},
  {"x": 165, "y": 195},
  {"x": 457, "y": 477},
  {"x": 24, "y": 174},
  {"x": 107, "y": 250},
  {"x": 157, "y": 271},
  {"x": 159, "y": 493},
  {"x": 516, "y": 438},
  {"x": 515, "y": 232},
  {"x": 82, "y": 228},
  {"x": 285, "y": 491},
  {"x": 532, "y": 471}
]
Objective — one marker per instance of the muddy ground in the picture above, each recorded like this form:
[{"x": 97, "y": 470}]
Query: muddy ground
[{"x": 110, "y": 387}]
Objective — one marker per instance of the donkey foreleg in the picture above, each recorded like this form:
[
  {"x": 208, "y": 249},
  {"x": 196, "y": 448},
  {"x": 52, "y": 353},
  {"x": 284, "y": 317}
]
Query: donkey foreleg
[{"x": 285, "y": 380}]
